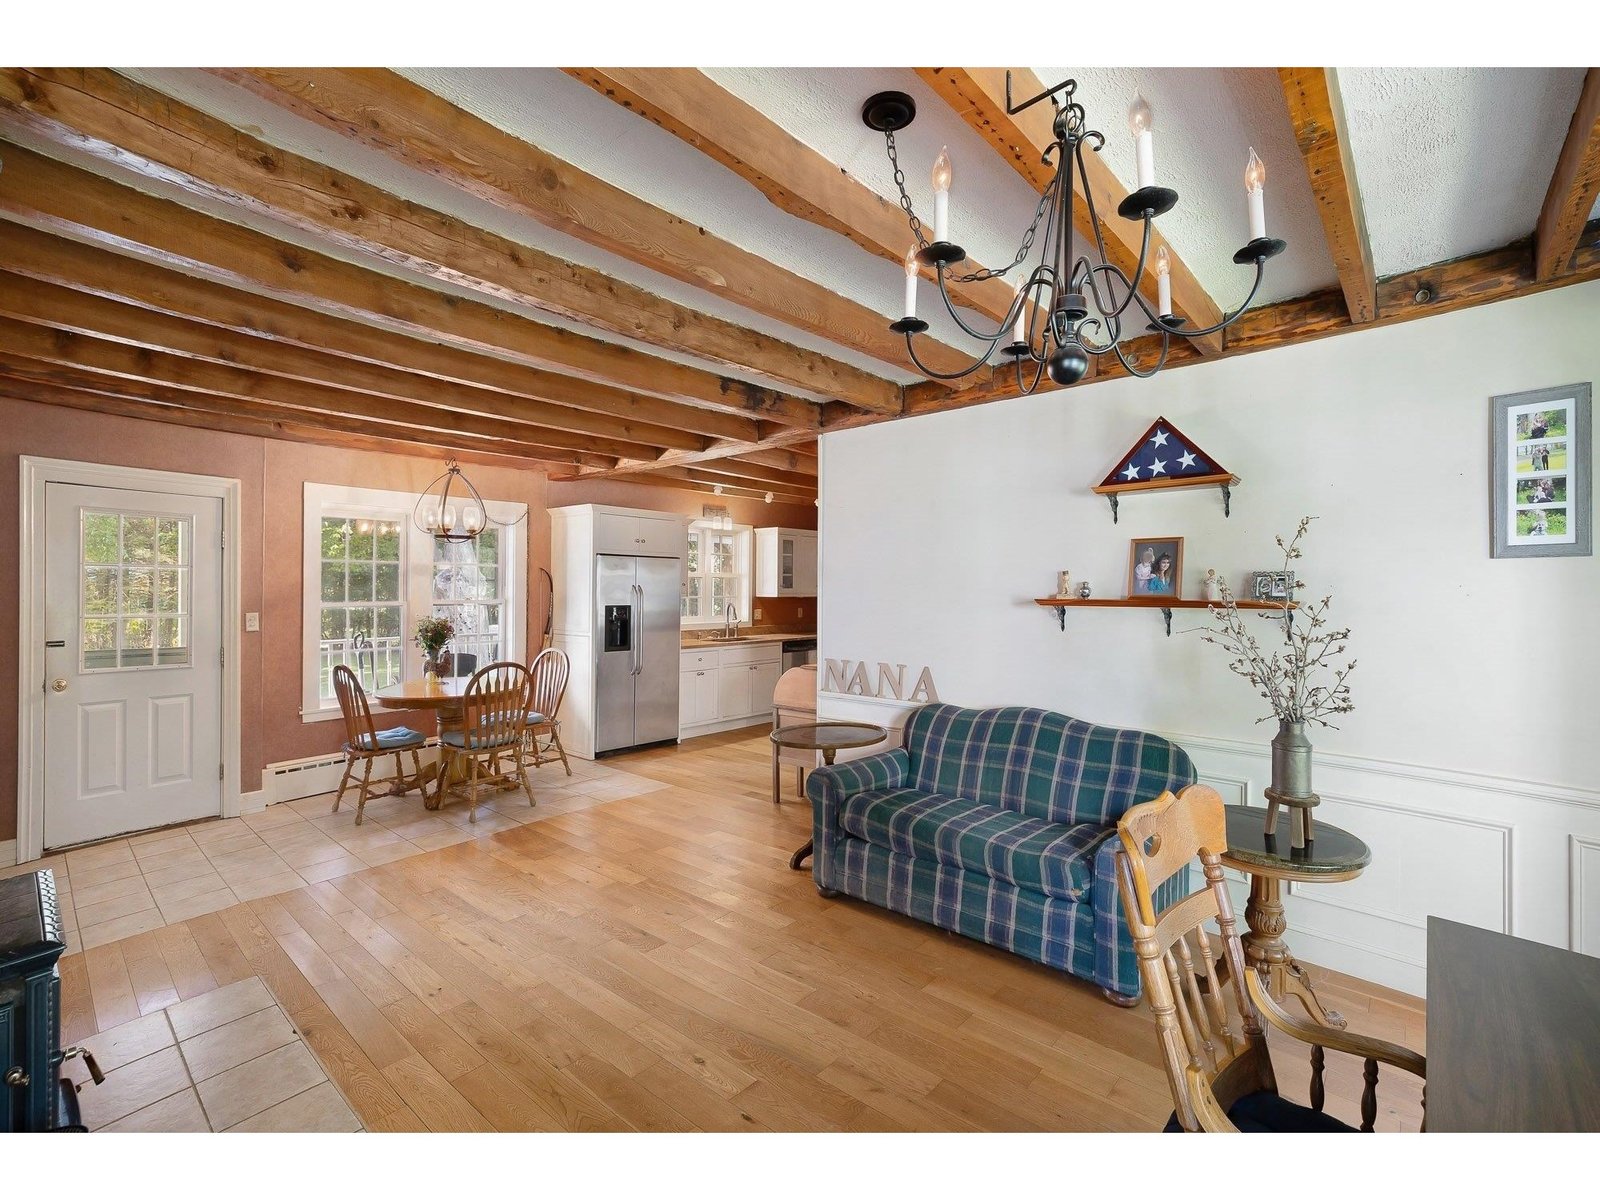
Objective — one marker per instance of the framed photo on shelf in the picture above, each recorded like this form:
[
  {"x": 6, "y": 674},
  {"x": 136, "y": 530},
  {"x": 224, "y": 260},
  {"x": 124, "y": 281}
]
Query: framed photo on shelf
[
  {"x": 1271, "y": 585},
  {"x": 1155, "y": 569},
  {"x": 1540, "y": 497}
]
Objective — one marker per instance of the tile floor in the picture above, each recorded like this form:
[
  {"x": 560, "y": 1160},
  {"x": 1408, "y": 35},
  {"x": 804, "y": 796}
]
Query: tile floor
[
  {"x": 228, "y": 1059},
  {"x": 115, "y": 889}
]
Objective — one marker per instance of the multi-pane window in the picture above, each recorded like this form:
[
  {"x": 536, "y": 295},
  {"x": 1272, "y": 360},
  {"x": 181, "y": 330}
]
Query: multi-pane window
[
  {"x": 467, "y": 588},
  {"x": 371, "y": 573},
  {"x": 135, "y": 575},
  {"x": 718, "y": 574},
  {"x": 362, "y": 614}
]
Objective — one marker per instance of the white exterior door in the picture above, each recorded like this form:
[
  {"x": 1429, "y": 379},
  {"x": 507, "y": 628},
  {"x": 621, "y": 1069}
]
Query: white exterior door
[{"x": 133, "y": 661}]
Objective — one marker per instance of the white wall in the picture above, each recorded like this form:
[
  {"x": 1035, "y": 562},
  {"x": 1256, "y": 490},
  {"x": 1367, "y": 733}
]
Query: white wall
[{"x": 1469, "y": 763}]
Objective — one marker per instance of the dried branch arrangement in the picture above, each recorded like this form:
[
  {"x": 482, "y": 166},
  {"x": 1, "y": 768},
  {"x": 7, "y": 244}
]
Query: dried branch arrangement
[{"x": 1305, "y": 681}]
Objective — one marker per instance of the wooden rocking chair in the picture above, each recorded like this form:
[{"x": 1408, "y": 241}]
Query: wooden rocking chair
[
  {"x": 363, "y": 743},
  {"x": 1217, "y": 1062}
]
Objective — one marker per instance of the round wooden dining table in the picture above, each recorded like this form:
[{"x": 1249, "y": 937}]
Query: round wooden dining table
[{"x": 441, "y": 697}]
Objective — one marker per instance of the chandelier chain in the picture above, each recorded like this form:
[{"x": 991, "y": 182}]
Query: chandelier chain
[
  {"x": 905, "y": 197},
  {"x": 1022, "y": 251}
]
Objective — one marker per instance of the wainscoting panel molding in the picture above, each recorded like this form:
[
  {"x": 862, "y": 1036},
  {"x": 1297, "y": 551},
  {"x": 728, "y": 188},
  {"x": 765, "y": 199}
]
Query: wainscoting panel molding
[{"x": 1584, "y": 884}]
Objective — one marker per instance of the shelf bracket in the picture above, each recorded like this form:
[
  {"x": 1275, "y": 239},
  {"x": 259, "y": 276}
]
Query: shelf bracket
[
  {"x": 1061, "y": 618},
  {"x": 1227, "y": 500},
  {"x": 1166, "y": 617},
  {"x": 1113, "y": 498}
]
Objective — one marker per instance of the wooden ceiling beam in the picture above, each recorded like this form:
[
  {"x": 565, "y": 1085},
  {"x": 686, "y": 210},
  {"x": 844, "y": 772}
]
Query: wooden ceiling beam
[
  {"x": 753, "y": 473},
  {"x": 1311, "y": 95},
  {"x": 389, "y": 113},
  {"x": 42, "y": 193},
  {"x": 93, "y": 271},
  {"x": 56, "y": 307},
  {"x": 1478, "y": 279},
  {"x": 686, "y": 480},
  {"x": 311, "y": 402},
  {"x": 674, "y": 459},
  {"x": 692, "y": 107},
  {"x": 1574, "y": 186},
  {"x": 21, "y": 380},
  {"x": 978, "y": 97},
  {"x": 136, "y": 129}
]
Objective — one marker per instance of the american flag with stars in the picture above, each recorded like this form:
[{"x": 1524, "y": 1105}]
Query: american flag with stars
[{"x": 1162, "y": 453}]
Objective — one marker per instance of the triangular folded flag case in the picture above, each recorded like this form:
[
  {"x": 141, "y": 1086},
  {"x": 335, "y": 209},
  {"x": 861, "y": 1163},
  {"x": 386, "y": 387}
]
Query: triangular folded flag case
[{"x": 1165, "y": 458}]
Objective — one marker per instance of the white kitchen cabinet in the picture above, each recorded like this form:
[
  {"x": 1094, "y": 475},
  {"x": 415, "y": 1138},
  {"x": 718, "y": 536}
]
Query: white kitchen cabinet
[
  {"x": 697, "y": 697},
  {"x": 786, "y": 562},
  {"x": 727, "y": 687},
  {"x": 633, "y": 533}
]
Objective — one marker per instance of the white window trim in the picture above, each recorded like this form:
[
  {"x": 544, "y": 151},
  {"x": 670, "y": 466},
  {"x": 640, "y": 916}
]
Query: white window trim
[
  {"x": 323, "y": 499},
  {"x": 743, "y": 565}
]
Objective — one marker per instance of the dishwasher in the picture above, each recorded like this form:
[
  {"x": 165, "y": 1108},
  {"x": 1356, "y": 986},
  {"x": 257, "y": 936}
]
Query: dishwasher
[{"x": 798, "y": 652}]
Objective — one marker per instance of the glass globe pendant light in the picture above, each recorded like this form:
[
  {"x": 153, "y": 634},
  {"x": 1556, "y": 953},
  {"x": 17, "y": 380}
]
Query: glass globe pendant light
[{"x": 451, "y": 510}]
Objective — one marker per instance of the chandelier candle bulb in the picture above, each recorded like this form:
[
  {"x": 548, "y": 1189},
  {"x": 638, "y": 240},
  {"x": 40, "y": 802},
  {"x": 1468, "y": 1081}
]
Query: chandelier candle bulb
[
  {"x": 1140, "y": 121},
  {"x": 1163, "y": 282},
  {"x": 1019, "y": 331},
  {"x": 911, "y": 283},
  {"x": 941, "y": 196},
  {"x": 1255, "y": 187}
]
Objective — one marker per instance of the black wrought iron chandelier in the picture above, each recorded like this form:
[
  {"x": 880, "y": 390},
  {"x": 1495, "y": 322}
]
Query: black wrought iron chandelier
[{"x": 1050, "y": 325}]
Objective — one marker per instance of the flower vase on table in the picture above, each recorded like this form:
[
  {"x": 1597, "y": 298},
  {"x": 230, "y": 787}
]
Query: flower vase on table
[
  {"x": 1305, "y": 683},
  {"x": 432, "y": 636}
]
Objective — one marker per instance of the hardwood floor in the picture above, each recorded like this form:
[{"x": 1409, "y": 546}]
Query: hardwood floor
[{"x": 653, "y": 964}]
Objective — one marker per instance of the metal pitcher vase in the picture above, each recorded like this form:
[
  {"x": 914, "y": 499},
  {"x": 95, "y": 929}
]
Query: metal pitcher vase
[{"x": 1291, "y": 760}]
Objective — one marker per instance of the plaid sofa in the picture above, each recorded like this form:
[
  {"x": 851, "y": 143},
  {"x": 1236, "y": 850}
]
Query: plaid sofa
[{"x": 998, "y": 824}]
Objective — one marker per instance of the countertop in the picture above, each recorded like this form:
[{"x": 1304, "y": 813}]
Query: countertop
[{"x": 696, "y": 640}]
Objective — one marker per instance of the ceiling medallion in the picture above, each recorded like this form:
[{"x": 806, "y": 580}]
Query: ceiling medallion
[{"x": 1070, "y": 307}]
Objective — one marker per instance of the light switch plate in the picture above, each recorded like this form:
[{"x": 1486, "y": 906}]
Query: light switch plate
[{"x": 252, "y": 622}]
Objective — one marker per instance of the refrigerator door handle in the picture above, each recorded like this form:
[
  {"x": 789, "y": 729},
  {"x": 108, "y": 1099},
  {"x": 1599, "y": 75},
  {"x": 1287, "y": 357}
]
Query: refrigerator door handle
[{"x": 638, "y": 636}]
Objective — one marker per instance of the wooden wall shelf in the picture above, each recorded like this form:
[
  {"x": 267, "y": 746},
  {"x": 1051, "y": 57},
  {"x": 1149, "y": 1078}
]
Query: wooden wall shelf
[
  {"x": 1224, "y": 481},
  {"x": 1164, "y": 607}
]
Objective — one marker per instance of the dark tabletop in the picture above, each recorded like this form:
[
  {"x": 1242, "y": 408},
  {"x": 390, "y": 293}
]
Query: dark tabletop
[
  {"x": 829, "y": 735},
  {"x": 1513, "y": 1034},
  {"x": 1331, "y": 851}
]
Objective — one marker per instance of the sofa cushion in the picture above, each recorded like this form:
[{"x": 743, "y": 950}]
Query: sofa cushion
[
  {"x": 1040, "y": 856},
  {"x": 1040, "y": 763}
]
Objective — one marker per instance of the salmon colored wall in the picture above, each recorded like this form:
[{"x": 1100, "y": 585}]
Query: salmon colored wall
[
  {"x": 273, "y": 475},
  {"x": 48, "y": 432}
]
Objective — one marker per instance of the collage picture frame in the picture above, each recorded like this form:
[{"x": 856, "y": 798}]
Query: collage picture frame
[{"x": 1540, "y": 473}]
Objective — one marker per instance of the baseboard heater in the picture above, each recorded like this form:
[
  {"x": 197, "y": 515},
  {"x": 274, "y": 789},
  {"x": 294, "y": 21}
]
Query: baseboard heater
[{"x": 312, "y": 776}]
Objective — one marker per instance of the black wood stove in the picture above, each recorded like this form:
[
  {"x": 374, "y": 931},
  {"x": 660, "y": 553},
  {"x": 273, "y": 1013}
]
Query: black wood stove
[{"x": 34, "y": 1098}]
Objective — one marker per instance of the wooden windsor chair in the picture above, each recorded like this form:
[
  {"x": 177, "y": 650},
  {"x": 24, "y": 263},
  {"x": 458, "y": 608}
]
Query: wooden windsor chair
[
  {"x": 1216, "y": 1060},
  {"x": 541, "y": 731},
  {"x": 492, "y": 710},
  {"x": 363, "y": 743}
]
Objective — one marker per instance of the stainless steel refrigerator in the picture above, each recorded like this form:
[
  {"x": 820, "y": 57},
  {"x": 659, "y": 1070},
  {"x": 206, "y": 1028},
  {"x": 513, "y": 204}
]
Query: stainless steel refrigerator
[{"x": 636, "y": 652}]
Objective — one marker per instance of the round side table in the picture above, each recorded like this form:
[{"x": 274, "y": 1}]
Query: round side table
[
  {"x": 830, "y": 737},
  {"x": 1332, "y": 856}
]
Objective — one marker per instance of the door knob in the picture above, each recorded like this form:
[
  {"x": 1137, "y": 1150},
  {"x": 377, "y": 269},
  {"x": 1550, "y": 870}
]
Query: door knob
[{"x": 59, "y": 685}]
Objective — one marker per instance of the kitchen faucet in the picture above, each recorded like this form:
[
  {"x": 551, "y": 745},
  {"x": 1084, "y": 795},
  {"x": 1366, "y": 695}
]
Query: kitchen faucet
[{"x": 730, "y": 621}]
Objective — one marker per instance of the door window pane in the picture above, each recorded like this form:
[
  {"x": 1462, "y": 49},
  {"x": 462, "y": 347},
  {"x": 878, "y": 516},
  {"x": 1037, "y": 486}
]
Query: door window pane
[{"x": 121, "y": 591}]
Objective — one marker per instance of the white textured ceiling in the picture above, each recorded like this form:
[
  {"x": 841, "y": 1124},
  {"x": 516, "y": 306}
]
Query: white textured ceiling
[
  {"x": 1454, "y": 161},
  {"x": 1450, "y": 162}
]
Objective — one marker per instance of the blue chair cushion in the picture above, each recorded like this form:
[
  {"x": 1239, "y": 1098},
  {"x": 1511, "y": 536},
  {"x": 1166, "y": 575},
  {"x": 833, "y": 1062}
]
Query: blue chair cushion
[
  {"x": 1040, "y": 856},
  {"x": 532, "y": 718},
  {"x": 398, "y": 738},
  {"x": 1268, "y": 1112},
  {"x": 479, "y": 741}
]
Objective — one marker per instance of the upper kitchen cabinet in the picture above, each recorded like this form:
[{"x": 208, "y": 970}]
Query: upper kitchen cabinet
[{"x": 786, "y": 562}]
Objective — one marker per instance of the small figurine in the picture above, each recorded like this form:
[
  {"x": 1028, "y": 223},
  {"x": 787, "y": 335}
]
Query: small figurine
[
  {"x": 1212, "y": 586},
  {"x": 1063, "y": 583},
  {"x": 1083, "y": 590}
]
